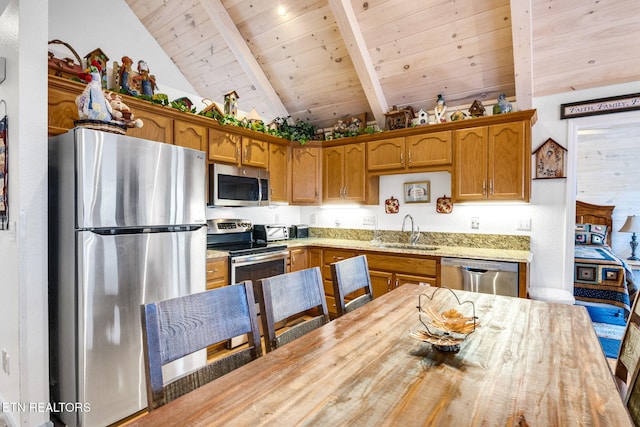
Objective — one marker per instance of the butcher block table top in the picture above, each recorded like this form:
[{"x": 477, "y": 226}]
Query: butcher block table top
[{"x": 528, "y": 363}]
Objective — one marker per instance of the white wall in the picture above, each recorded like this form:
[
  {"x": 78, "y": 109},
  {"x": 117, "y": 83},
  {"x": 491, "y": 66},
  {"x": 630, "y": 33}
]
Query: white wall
[
  {"x": 23, "y": 311},
  {"x": 115, "y": 29},
  {"x": 553, "y": 201}
]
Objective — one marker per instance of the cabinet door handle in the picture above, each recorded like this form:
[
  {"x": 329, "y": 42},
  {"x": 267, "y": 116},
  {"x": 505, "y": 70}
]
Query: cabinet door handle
[
  {"x": 402, "y": 158},
  {"x": 238, "y": 153},
  {"x": 484, "y": 188},
  {"x": 410, "y": 160},
  {"x": 397, "y": 283},
  {"x": 338, "y": 258},
  {"x": 215, "y": 270},
  {"x": 491, "y": 186},
  {"x": 388, "y": 284},
  {"x": 245, "y": 153}
]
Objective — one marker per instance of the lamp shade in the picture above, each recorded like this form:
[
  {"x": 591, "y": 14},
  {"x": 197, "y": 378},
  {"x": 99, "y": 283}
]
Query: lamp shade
[{"x": 631, "y": 225}]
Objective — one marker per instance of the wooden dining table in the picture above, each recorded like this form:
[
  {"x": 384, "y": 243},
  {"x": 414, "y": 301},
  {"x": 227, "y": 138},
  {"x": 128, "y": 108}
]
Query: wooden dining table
[{"x": 528, "y": 363}]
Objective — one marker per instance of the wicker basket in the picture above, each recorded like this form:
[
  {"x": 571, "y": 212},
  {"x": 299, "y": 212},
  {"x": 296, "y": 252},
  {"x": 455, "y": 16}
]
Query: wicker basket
[
  {"x": 64, "y": 67},
  {"x": 103, "y": 126}
]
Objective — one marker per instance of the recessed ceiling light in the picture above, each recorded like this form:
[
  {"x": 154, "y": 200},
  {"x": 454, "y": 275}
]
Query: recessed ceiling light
[{"x": 282, "y": 11}]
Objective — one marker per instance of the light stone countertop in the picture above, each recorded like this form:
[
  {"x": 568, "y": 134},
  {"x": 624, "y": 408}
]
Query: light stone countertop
[{"x": 396, "y": 248}]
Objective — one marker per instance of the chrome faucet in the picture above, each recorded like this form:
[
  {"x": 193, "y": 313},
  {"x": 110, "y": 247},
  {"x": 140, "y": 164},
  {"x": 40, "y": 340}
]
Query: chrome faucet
[{"x": 415, "y": 235}]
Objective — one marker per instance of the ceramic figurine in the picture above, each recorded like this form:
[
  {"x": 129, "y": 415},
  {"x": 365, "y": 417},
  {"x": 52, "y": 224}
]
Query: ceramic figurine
[
  {"x": 125, "y": 71},
  {"x": 147, "y": 81},
  {"x": 92, "y": 104},
  {"x": 502, "y": 106},
  {"x": 440, "y": 109}
]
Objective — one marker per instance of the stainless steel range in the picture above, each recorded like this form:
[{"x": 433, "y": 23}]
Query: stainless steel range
[{"x": 248, "y": 259}]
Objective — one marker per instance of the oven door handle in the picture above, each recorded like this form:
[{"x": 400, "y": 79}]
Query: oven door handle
[{"x": 261, "y": 257}]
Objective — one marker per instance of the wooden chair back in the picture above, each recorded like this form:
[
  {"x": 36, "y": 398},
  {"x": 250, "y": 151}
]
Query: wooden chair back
[
  {"x": 288, "y": 295},
  {"x": 180, "y": 326},
  {"x": 348, "y": 276},
  {"x": 628, "y": 364}
]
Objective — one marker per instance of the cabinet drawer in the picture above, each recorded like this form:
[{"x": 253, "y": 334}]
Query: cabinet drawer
[
  {"x": 217, "y": 273},
  {"x": 333, "y": 255},
  {"x": 415, "y": 266}
]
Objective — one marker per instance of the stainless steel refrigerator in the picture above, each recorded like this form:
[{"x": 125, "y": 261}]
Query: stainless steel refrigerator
[{"x": 127, "y": 226}]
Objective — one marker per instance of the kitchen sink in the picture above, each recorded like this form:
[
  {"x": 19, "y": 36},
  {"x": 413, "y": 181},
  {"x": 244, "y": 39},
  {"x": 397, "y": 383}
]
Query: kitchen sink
[{"x": 407, "y": 246}]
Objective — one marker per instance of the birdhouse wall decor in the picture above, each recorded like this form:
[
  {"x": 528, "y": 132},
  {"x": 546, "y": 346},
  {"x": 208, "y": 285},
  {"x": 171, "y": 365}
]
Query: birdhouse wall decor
[
  {"x": 550, "y": 160},
  {"x": 231, "y": 103}
]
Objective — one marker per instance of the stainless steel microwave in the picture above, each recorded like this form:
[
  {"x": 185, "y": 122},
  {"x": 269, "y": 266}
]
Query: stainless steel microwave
[{"x": 238, "y": 186}]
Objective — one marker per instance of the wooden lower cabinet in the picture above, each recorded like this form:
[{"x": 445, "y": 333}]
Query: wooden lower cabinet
[
  {"x": 330, "y": 256},
  {"x": 217, "y": 277},
  {"x": 388, "y": 272},
  {"x": 298, "y": 259},
  {"x": 217, "y": 272}
]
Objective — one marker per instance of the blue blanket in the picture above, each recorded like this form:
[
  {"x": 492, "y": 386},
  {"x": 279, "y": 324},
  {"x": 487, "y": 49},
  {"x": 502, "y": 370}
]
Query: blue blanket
[{"x": 601, "y": 276}]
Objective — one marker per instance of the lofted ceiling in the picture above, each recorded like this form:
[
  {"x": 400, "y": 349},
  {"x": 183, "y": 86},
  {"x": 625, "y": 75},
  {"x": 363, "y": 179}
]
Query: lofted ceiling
[{"x": 329, "y": 59}]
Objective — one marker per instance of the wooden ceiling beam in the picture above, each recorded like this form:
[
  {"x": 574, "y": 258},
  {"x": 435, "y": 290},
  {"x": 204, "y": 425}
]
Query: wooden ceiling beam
[
  {"x": 521, "y": 29},
  {"x": 350, "y": 30},
  {"x": 238, "y": 46}
]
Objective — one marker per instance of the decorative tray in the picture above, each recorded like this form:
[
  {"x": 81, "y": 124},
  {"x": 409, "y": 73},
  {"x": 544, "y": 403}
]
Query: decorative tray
[{"x": 447, "y": 329}]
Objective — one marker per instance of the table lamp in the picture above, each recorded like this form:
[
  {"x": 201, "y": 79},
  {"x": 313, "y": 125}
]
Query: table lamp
[{"x": 632, "y": 225}]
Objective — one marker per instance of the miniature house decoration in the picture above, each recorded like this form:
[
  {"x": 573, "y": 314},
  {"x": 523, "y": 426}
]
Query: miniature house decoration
[
  {"x": 423, "y": 117},
  {"x": 399, "y": 118},
  {"x": 476, "y": 109},
  {"x": 102, "y": 59},
  {"x": 231, "y": 103},
  {"x": 550, "y": 160}
]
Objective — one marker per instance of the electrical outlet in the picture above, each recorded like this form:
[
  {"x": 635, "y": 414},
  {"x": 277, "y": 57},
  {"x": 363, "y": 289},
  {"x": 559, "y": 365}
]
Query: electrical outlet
[
  {"x": 524, "y": 224},
  {"x": 368, "y": 220},
  {"x": 312, "y": 219},
  {"x": 475, "y": 223},
  {"x": 5, "y": 361},
  {"x": 277, "y": 219}
]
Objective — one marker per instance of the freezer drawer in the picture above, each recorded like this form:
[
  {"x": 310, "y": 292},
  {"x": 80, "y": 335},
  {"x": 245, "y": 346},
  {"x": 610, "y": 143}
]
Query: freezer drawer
[{"x": 489, "y": 277}]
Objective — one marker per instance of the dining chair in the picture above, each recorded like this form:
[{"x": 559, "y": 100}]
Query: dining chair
[
  {"x": 177, "y": 327},
  {"x": 286, "y": 295},
  {"x": 628, "y": 364},
  {"x": 348, "y": 276}
]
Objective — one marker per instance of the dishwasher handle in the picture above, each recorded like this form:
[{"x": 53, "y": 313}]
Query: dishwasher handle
[{"x": 476, "y": 270}]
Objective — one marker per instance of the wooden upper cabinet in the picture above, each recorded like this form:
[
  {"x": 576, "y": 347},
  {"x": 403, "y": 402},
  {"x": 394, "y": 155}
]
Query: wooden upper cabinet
[
  {"x": 491, "y": 162},
  {"x": 62, "y": 110},
  {"x": 344, "y": 173},
  {"x": 189, "y": 135},
  {"x": 224, "y": 147},
  {"x": 227, "y": 147},
  {"x": 279, "y": 172},
  {"x": 509, "y": 176},
  {"x": 385, "y": 154},
  {"x": 306, "y": 175},
  {"x": 431, "y": 149},
  {"x": 469, "y": 180},
  {"x": 155, "y": 127},
  {"x": 254, "y": 153}
]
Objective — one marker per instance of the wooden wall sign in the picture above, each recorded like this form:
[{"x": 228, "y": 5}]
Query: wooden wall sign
[{"x": 593, "y": 107}]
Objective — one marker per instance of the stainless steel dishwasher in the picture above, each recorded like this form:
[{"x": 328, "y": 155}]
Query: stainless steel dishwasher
[{"x": 489, "y": 277}]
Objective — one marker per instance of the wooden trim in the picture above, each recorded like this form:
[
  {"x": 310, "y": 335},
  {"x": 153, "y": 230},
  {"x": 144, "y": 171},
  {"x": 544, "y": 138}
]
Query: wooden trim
[{"x": 521, "y": 30}]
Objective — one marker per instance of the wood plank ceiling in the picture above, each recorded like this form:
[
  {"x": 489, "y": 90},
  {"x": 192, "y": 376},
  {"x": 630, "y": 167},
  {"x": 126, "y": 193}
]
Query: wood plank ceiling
[{"x": 329, "y": 59}]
